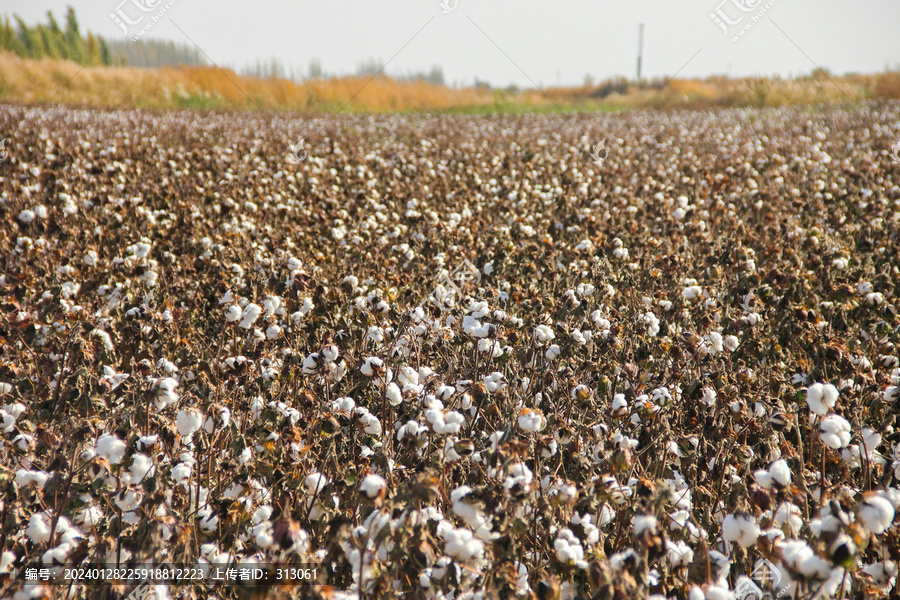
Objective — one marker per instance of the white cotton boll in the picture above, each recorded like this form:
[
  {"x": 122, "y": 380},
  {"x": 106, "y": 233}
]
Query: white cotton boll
[
  {"x": 188, "y": 422},
  {"x": 543, "y": 333},
  {"x": 798, "y": 556},
  {"x": 777, "y": 475},
  {"x": 787, "y": 516},
  {"x": 232, "y": 313},
  {"x": 692, "y": 292},
  {"x": 709, "y": 396},
  {"x": 740, "y": 528},
  {"x": 25, "y": 478},
  {"x": 373, "y": 485},
  {"x": 165, "y": 392},
  {"x": 370, "y": 423},
  {"x": 38, "y": 530},
  {"x": 652, "y": 323},
  {"x": 273, "y": 332},
  {"x": 111, "y": 448},
  {"x": 371, "y": 365},
  {"x": 568, "y": 549},
  {"x": 731, "y": 343},
  {"x": 553, "y": 352},
  {"x": 875, "y": 513},
  {"x": 394, "y": 397},
  {"x": 311, "y": 364},
  {"x": 249, "y": 315},
  {"x": 5, "y": 388},
  {"x": 27, "y": 216},
  {"x": 716, "y": 342},
  {"x": 643, "y": 523},
  {"x": 834, "y": 431},
  {"x": 314, "y": 483},
  {"x": 531, "y": 420},
  {"x": 140, "y": 466},
  {"x": 679, "y": 553},
  {"x": 619, "y": 405},
  {"x": 181, "y": 473},
  {"x": 462, "y": 545},
  {"x": 821, "y": 398}
]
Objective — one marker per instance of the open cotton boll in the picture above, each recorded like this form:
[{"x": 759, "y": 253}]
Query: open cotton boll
[
  {"x": 249, "y": 315},
  {"x": 394, "y": 397},
  {"x": 778, "y": 475},
  {"x": 38, "y": 530},
  {"x": 314, "y": 483},
  {"x": 26, "y": 477},
  {"x": 834, "y": 431},
  {"x": 232, "y": 313},
  {"x": 140, "y": 466},
  {"x": 111, "y": 448},
  {"x": 821, "y": 398},
  {"x": 188, "y": 422},
  {"x": 553, "y": 352},
  {"x": 568, "y": 549},
  {"x": 543, "y": 333},
  {"x": 644, "y": 523},
  {"x": 373, "y": 486},
  {"x": 371, "y": 365},
  {"x": 692, "y": 292},
  {"x": 740, "y": 528},
  {"x": 461, "y": 545},
  {"x": 875, "y": 513},
  {"x": 531, "y": 420},
  {"x": 798, "y": 556},
  {"x": 165, "y": 392},
  {"x": 5, "y": 388}
]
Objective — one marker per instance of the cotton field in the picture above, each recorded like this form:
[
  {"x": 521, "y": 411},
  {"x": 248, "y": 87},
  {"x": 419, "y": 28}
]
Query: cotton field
[{"x": 454, "y": 357}]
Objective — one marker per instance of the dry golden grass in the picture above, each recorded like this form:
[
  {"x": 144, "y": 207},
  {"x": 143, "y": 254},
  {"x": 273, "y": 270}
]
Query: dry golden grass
[{"x": 40, "y": 81}]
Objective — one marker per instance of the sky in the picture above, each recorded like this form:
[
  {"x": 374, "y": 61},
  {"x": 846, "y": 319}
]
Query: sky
[{"x": 527, "y": 43}]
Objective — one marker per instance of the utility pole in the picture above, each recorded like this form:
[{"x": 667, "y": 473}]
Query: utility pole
[{"x": 640, "y": 57}]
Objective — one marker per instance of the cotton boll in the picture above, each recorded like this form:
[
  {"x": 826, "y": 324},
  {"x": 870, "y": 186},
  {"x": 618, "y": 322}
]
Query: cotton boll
[
  {"x": 644, "y": 523},
  {"x": 394, "y": 397},
  {"x": 568, "y": 549},
  {"x": 26, "y": 477},
  {"x": 371, "y": 366},
  {"x": 777, "y": 475},
  {"x": 181, "y": 473},
  {"x": 875, "y": 513},
  {"x": 188, "y": 422},
  {"x": 38, "y": 530},
  {"x": 461, "y": 545},
  {"x": 140, "y": 466},
  {"x": 273, "y": 332},
  {"x": 165, "y": 392},
  {"x": 821, "y": 398},
  {"x": 373, "y": 486},
  {"x": 314, "y": 483},
  {"x": 249, "y": 315},
  {"x": 232, "y": 313},
  {"x": 679, "y": 553},
  {"x": 731, "y": 343},
  {"x": 531, "y": 420},
  {"x": 692, "y": 292},
  {"x": 740, "y": 528},
  {"x": 111, "y": 448},
  {"x": 834, "y": 431},
  {"x": 553, "y": 352},
  {"x": 543, "y": 333}
]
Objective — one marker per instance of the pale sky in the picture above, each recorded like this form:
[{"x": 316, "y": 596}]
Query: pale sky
[{"x": 517, "y": 41}]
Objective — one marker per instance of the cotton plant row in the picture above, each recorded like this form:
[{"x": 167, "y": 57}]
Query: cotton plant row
[{"x": 451, "y": 357}]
